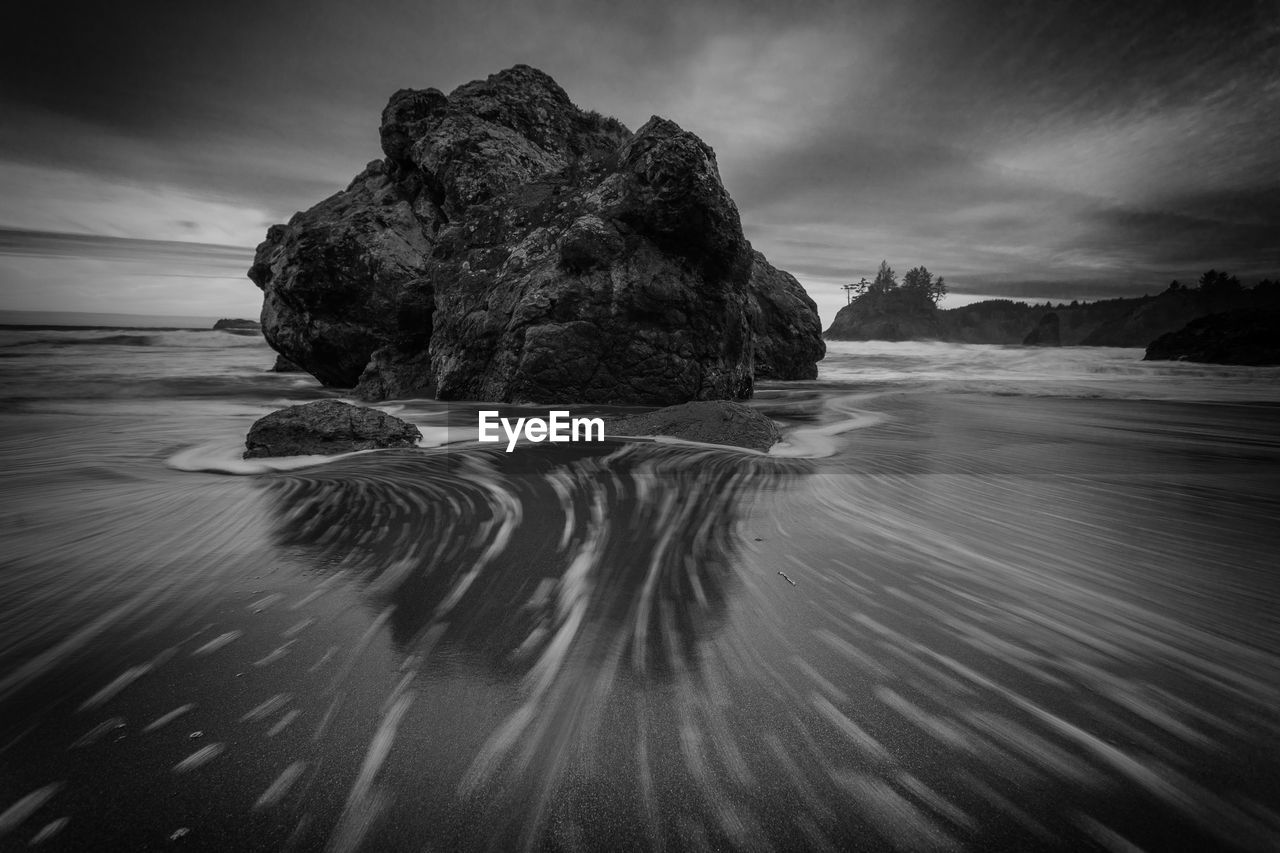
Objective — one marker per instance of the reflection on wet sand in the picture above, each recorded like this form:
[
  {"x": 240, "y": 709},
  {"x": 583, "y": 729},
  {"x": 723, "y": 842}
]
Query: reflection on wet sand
[
  {"x": 559, "y": 571},
  {"x": 961, "y": 661},
  {"x": 498, "y": 553},
  {"x": 1009, "y": 625}
]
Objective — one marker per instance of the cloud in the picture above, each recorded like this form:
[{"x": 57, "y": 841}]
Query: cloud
[
  {"x": 53, "y": 271},
  {"x": 1008, "y": 146},
  {"x": 40, "y": 198},
  {"x": 110, "y": 286},
  {"x": 49, "y": 245}
]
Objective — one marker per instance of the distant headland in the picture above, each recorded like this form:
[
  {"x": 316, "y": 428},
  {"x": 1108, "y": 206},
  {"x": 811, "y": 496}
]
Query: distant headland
[{"x": 888, "y": 311}]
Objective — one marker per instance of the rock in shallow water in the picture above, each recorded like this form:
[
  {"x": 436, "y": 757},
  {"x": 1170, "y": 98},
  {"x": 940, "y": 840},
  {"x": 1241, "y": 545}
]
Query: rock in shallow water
[
  {"x": 709, "y": 421},
  {"x": 325, "y": 427},
  {"x": 512, "y": 247}
]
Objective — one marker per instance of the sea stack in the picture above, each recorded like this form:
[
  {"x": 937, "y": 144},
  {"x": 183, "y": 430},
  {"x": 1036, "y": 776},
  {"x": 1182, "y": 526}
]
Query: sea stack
[{"x": 513, "y": 247}]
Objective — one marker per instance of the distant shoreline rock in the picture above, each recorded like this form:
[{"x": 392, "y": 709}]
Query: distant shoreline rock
[
  {"x": 513, "y": 247},
  {"x": 238, "y": 326},
  {"x": 1237, "y": 337},
  {"x": 326, "y": 427},
  {"x": 708, "y": 421}
]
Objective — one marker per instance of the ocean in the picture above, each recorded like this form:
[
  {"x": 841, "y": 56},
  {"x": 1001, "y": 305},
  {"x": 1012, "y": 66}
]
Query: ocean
[{"x": 989, "y": 598}]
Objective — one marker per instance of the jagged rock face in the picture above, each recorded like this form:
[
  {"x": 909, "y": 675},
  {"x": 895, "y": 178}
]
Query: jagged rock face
[
  {"x": 512, "y": 247},
  {"x": 345, "y": 278},
  {"x": 784, "y": 321}
]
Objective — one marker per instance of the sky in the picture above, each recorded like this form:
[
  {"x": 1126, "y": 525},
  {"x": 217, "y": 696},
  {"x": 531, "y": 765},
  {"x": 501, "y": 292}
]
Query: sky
[{"x": 1027, "y": 150}]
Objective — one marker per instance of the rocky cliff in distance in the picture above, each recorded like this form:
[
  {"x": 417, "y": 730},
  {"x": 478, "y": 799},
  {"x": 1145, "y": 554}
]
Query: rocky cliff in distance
[
  {"x": 512, "y": 247},
  {"x": 1124, "y": 322},
  {"x": 1248, "y": 337}
]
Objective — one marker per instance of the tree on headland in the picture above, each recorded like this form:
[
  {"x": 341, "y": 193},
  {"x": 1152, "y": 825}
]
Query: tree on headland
[
  {"x": 917, "y": 278},
  {"x": 886, "y": 279},
  {"x": 853, "y": 291},
  {"x": 918, "y": 283},
  {"x": 920, "y": 280},
  {"x": 1216, "y": 283}
]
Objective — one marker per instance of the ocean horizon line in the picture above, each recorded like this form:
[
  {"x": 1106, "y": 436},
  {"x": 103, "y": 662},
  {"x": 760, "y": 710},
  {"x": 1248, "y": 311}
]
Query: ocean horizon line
[{"x": 10, "y": 318}]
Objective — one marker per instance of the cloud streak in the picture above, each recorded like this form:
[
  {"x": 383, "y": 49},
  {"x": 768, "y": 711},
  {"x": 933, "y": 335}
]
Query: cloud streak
[
  {"x": 52, "y": 244},
  {"x": 44, "y": 270}
]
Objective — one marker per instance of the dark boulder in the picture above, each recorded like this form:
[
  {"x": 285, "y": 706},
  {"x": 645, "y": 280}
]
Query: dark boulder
[
  {"x": 1047, "y": 333},
  {"x": 326, "y": 427},
  {"x": 1246, "y": 337},
  {"x": 709, "y": 421},
  {"x": 512, "y": 247}
]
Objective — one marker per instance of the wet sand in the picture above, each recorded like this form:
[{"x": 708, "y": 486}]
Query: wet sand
[{"x": 986, "y": 622}]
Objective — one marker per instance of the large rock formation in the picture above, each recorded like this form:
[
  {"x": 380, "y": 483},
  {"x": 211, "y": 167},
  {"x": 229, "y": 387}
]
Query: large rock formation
[
  {"x": 1237, "y": 337},
  {"x": 324, "y": 427},
  {"x": 511, "y": 247}
]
